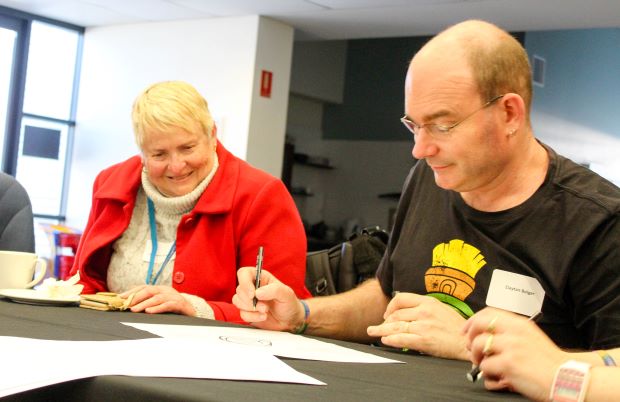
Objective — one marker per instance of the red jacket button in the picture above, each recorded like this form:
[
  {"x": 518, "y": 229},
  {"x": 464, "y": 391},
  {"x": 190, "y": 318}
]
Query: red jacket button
[{"x": 178, "y": 277}]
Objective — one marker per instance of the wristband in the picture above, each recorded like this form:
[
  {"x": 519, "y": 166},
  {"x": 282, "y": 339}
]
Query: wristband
[
  {"x": 302, "y": 328},
  {"x": 607, "y": 359},
  {"x": 571, "y": 382}
]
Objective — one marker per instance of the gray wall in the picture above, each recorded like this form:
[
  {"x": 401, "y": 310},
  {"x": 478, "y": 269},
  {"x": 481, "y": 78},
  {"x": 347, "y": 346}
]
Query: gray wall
[{"x": 582, "y": 77}]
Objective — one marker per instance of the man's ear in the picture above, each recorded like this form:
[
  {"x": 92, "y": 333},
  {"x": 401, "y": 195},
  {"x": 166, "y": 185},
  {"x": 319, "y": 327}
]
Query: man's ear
[{"x": 514, "y": 112}]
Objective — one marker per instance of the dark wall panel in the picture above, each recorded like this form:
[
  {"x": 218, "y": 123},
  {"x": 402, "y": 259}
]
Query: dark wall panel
[{"x": 373, "y": 91}]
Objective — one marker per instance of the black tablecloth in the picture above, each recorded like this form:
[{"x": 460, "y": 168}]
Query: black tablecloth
[{"x": 422, "y": 378}]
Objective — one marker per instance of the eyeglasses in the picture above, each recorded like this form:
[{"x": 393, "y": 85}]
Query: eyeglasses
[{"x": 439, "y": 130}]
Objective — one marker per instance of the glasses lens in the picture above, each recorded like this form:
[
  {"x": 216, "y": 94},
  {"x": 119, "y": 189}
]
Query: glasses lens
[{"x": 409, "y": 124}]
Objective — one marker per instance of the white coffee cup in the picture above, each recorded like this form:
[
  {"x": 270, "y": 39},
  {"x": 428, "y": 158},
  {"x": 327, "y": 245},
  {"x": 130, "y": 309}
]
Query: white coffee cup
[{"x": 17, "y": 269}]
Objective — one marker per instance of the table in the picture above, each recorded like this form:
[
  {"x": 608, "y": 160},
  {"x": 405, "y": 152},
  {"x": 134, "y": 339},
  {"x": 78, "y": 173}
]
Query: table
[{"x": 422, "y": 378}]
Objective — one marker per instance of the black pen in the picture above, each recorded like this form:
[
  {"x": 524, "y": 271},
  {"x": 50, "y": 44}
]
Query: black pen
[
  {"x": 259, "y": 267},
  {"x": 475, "y": 373}
]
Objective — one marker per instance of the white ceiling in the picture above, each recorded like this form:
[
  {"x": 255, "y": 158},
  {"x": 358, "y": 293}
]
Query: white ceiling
[{"x": 340, "y": 19}]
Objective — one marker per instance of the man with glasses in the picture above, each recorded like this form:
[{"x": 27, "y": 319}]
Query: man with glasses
[{"x": 489, "y": 215}]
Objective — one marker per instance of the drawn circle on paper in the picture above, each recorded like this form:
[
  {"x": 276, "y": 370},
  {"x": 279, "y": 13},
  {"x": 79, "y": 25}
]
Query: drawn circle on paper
[{"x": 246, "y": 340}]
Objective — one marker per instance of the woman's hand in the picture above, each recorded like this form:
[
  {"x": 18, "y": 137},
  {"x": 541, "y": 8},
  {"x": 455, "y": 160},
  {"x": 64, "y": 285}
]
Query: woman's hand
[
  {"x": 158, "y": 299},
  {"x": 277, "y": 306},
  {"x": 513, "y": 353}
]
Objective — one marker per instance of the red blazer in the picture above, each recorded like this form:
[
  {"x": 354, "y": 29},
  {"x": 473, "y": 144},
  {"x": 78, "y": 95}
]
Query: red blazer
[{"x": 241, "y": 209}]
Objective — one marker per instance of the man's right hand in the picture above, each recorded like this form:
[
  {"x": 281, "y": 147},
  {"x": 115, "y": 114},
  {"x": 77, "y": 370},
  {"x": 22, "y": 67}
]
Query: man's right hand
[{"x": 277, "y": 308}]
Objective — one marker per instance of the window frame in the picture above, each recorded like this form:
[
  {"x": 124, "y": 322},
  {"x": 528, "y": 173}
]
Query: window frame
[{"x": 21, "y": 22}]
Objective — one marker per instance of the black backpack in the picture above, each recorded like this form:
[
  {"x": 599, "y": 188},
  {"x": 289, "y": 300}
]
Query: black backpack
[{"x": 345, "y": 265}]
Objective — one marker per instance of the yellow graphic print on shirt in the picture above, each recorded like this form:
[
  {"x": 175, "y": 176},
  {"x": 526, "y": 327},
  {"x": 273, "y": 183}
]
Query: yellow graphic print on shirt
[{"x": 451, "y": 278}]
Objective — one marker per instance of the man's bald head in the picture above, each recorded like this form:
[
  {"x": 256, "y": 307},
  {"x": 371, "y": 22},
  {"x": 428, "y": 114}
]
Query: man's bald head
[{"x": 497, "y": 61}]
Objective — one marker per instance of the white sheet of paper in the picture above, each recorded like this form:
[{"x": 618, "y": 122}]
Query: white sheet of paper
[
  {"x": 33, "y": 363},
  {"x": 281, "y": 344},
  {"x": 189, "y": 358}
]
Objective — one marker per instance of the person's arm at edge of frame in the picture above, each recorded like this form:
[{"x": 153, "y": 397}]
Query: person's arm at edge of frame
[
  {"x": 522, "y": 342},
  {"x": 604, "y": 385}
]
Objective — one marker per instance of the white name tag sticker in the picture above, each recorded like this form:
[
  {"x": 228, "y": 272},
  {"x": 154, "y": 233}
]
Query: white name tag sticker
[{"x": 515, "y": 292}]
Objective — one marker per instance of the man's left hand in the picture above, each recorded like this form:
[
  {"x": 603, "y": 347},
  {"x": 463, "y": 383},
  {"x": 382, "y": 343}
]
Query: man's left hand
[{"x": 424, "y": 324}]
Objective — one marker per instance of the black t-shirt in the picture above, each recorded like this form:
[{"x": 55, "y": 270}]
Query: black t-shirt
[{"x": 567, "y": 236}]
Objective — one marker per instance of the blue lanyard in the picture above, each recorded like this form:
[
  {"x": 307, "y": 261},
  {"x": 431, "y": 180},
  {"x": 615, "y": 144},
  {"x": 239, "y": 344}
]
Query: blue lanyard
[{"x": 149, "y": 275}]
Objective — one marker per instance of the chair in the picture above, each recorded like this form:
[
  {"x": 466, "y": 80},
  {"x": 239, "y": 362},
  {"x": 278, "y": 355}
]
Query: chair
[{"x": 16, "y": 220}]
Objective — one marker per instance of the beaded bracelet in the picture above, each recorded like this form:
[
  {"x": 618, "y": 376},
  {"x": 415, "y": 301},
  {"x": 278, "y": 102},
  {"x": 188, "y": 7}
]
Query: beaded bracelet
[
  {"x": 302, "y": 328},
  {"x": 607, "y": 359}
]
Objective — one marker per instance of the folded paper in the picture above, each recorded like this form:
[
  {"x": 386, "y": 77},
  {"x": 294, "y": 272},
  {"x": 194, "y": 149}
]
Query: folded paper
[{"x": 105, "y": 301}]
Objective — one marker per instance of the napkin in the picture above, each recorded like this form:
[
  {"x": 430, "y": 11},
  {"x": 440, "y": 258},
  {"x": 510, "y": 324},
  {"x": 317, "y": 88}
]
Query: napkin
[{"x": 57, "y": 289}]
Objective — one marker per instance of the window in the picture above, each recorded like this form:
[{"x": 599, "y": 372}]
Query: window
[{"x": 38, "y": 88}]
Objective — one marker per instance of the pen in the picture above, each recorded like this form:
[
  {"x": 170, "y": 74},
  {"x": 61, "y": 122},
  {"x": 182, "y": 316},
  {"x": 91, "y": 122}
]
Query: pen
[
  {"x": 259, "y": 267},
  {"x": 475, "y": 373}
]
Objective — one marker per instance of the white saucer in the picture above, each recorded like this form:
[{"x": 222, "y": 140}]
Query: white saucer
[{"x": 31, "y": 296}]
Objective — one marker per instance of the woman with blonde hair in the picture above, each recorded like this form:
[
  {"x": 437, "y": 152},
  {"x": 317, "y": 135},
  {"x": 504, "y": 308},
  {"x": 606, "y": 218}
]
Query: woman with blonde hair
[{"x": 172, "y": 226}]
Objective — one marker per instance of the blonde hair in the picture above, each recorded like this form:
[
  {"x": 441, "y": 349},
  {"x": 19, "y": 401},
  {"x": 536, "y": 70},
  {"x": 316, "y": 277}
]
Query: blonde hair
[{"x": 169, "y": 104}]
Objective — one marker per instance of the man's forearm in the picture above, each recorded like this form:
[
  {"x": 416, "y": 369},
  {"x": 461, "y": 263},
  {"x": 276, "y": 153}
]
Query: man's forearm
[{"x": 347, "y": 315}]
